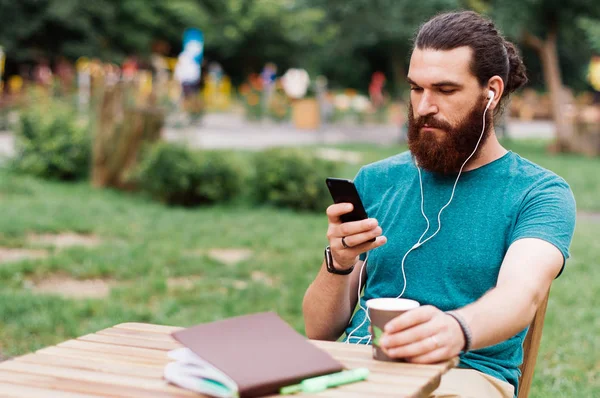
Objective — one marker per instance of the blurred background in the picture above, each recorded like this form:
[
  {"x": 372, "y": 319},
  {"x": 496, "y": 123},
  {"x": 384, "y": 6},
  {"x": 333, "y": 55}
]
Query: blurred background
[
  {"x": 355, "y": 54},
  {"x": 164, "y": 161}
]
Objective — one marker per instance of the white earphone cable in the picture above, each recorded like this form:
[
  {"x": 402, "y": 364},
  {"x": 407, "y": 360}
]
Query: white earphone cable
[{"x": 362, "y": 267}]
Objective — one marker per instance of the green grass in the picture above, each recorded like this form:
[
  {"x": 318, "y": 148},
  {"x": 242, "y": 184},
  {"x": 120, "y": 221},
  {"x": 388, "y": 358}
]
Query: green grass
[{"x": 145, "y": 243}]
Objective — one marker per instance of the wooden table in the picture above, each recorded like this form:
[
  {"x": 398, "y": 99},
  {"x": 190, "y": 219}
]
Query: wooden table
[{"x": 127, "y": 360}]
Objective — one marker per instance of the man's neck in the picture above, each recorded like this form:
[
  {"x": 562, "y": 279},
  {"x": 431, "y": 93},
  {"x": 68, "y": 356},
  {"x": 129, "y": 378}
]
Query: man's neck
[{"x": 492, "y": 150}]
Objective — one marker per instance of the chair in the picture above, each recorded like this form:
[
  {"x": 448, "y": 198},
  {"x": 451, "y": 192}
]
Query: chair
[{"x": 531, "y": 344}]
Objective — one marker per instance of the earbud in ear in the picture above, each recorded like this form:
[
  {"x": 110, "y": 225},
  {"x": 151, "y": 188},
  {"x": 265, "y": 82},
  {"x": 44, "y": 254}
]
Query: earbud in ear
[{"x": 491, "y": 94}]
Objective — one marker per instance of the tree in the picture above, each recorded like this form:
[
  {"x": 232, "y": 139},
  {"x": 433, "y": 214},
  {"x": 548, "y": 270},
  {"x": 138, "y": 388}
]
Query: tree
[
  {"x": 592, "y": 29},
  {"x": 540, "y": 25},
  {"x": 108, "y": 29},
  {"x": 245, "y": 34},
  {"x": 382, "y": 28},
  {"x": 33, "y": 28},
  {"x": 242, "y": 34}
]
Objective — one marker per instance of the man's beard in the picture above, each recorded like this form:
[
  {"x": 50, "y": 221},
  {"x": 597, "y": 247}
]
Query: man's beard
[{"x": 447, "y": 154}]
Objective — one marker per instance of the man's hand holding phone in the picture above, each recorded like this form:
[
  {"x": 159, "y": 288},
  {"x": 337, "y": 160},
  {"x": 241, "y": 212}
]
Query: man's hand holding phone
[{"x": 350, "y": 239}]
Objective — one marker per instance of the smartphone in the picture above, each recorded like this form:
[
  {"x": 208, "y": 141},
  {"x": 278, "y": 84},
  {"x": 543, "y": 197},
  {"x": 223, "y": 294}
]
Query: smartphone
[{"x": 344, "y": 191}]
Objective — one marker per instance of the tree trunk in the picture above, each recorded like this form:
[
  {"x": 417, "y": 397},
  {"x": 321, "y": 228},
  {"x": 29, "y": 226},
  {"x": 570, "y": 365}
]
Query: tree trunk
[
  {"x": 547, "y": 50},
  {"x": 120, "y": 132}
]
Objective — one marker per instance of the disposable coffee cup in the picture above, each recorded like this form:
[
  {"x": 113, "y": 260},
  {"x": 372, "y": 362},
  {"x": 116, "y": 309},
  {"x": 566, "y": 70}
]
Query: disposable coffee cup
[{"x": 381, "y": 311}]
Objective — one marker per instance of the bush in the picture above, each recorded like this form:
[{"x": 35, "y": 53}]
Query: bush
[
  {"x": 293, "y": 178},
  {"x": 51, "y": 142},
  {"x": 177, "y": 175}
]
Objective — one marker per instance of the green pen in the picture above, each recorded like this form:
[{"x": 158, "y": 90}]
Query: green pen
[{"x": 321, "y": 383}]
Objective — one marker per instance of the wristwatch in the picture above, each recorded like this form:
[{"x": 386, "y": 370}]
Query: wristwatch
[{"x": 331, "y": 268}]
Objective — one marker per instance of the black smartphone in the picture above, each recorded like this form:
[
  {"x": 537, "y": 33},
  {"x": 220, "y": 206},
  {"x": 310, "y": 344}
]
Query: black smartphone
[{"x": 344, "y": 191}]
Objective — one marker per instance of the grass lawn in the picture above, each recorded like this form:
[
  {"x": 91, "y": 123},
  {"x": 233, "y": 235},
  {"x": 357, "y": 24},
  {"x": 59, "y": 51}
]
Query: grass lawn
[{"x": 144, "y": 245}]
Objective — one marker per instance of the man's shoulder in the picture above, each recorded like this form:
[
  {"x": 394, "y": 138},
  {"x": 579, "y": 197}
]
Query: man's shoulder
[{"x": 530, "y": 173}]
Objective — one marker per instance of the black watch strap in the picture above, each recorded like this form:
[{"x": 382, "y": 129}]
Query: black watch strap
[{"x": 331, "y": 268}]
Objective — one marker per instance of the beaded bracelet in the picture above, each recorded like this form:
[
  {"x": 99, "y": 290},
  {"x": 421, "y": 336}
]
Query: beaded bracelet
[{"x": 465, "y": 329}]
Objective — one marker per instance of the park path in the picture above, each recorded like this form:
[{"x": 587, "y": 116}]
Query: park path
[
  {"x": 232, "y": 131},
  {"x": 220, "y": 130}
]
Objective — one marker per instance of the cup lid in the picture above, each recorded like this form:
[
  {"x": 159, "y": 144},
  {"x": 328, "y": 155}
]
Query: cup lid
[{"x": 392, "y": 304}]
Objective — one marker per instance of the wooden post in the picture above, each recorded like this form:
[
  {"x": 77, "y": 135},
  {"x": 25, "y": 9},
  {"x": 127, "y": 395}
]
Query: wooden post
[
  {"x": 548, "y": 53},
  {"x": 121, "y": 129}
]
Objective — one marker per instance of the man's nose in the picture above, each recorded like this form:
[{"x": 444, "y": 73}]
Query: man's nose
[{"x": 426, "y": 105}]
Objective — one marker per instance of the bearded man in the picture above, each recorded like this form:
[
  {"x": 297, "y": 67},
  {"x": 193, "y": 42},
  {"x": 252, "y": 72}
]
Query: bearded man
[{"x": 462, "y": 225}]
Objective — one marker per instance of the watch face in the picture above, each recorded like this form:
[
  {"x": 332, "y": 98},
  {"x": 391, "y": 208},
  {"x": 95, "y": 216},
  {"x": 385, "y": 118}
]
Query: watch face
[
  {"x": 328, "y": 259},
  {"x": 331, "y": 268}
]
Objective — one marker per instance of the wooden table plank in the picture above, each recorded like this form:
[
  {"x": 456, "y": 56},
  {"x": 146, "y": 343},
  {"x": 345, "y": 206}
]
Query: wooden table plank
[
  {"x": 136, "y": 334},
  {"x": 330, "y": 393},
  {"x": 54, "y": 385},
  {"x": 365, "y": 352},
  {"x": 11, "y": 390},
  {"x": 89, "y": 376},
  {"x": 101, "y": 356},
  {"x": 389, "y": 368},
  {"x": 103, "y": 366},
  {"x": 379, "y": 390},
  {"x": 130, "y": 342},
  {"x": 146, "y": 327},
  {"x": 117, "y": 350}
]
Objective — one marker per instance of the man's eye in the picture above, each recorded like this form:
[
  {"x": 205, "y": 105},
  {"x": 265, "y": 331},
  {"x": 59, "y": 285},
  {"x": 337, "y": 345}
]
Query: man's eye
[
  {"x": 418, "y": 89},
  {"x": 451, "y": 91}
]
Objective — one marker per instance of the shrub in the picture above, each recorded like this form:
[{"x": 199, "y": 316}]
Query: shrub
[
  {"x": 293, "y": 178},
  {"x": 177, "y": 175},
  {"x": 51, "y": 142}
]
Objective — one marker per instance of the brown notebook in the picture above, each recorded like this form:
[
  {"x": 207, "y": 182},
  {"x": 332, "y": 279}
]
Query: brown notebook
[{"x": 259, "y": 352}]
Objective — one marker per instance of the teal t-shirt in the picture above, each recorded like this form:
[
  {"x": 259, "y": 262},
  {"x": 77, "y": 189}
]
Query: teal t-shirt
[{"x": 508, "y": 199}]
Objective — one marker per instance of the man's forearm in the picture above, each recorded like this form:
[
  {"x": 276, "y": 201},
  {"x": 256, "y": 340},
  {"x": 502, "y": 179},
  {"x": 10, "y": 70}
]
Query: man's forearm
[
  {"x": 500, "y": 314},
  {"x": 327, "y": 306}
]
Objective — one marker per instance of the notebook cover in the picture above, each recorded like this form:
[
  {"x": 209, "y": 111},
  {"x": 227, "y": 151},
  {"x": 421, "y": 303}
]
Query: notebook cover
[{"x": 260, "y": 352}]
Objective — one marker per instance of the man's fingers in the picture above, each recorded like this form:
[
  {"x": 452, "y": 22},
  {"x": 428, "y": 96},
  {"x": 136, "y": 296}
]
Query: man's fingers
[
  {"x": 348, "y": 229},
  {"x": 413, "y": 350},
  {"x": 422, "y": 335},
  {"x": 356, "y": 235},
  {"x": 360, "y": 238},
  {"x": 357, "y": 227},
  {"x": 407, "y": 336},
  {"x": 335, "y": 211},
  {"x": 337, "y": 245},
  {"x": 435, "y": 356},
  {"x": 410, "y": 318}
]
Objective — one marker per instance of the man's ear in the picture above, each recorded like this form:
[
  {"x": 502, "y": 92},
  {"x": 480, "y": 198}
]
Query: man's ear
[{"x": 496, "y": 85}]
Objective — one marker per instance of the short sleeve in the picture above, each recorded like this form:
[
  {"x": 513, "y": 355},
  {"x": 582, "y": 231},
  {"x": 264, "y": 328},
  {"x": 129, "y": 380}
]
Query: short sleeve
[{"x": 548, "y": 213}]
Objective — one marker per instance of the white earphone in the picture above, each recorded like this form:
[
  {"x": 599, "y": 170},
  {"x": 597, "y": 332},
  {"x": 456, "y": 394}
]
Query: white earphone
[{"x": 419, "y": 243}]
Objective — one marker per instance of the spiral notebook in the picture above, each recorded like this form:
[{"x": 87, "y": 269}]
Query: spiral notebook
[{"x": 246, "y": 356}]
